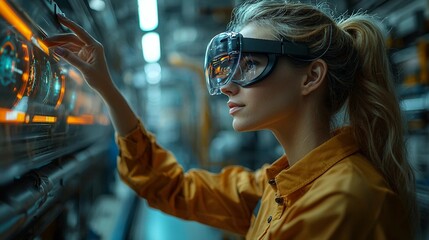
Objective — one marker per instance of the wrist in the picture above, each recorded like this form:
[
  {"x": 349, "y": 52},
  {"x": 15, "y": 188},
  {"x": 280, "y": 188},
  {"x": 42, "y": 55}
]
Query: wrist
[
  {"x": 106, "y": 87},
  {"x": 108, "y": 92}
]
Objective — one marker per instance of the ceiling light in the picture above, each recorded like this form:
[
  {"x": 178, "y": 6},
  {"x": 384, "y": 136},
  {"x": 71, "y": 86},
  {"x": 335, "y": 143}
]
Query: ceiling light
[
  {"x": 148, "y": 14},
  {"x": 97, "y": 5},
  {"x": 151, "y": 47}
]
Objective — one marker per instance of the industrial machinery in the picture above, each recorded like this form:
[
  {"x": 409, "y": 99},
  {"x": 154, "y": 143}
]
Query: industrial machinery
[{"x": 51, "y": 124}]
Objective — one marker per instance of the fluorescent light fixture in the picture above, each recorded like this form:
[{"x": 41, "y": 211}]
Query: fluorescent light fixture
[
  {"x": 151, "y": 47},
  {"x": 148, "y": 14},
  {"x": 415, "y": 104},
  {"x": 153, "y": 73},
  {"x": 97, "y": 5}
]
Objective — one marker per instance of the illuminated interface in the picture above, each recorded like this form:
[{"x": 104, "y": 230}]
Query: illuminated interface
[
  {"x": 14, "y": 69},
  {"x": 46, "y": 109},
  {"x": 35, "y": 87}
]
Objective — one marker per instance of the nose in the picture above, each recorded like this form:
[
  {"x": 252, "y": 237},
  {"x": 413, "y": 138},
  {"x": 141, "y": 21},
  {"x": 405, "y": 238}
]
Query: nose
[{"x": 230, "y": 89}]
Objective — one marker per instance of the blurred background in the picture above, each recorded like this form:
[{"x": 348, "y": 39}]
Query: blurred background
[{"x": 57, "y": 150}]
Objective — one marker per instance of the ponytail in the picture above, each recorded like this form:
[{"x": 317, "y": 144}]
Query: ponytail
[{"x": 374, "y": 112}]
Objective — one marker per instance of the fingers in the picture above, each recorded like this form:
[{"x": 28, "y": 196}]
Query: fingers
[
  {"x": 72, "y": 47},
  {"x": 80, "y": 32},
  {"x": 71, "y": 58},
  {"x": 62, "y": 39}
]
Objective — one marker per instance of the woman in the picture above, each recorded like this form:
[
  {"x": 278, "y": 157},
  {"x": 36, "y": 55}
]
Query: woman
[{"x": 289, "y": 68}]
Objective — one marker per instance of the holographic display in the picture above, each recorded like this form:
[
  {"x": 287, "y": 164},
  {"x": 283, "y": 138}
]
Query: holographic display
[{"x": 46, "y": 109}]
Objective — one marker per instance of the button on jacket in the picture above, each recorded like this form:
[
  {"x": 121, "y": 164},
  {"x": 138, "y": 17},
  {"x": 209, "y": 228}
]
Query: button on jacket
[{"x": 333, "y": 192}]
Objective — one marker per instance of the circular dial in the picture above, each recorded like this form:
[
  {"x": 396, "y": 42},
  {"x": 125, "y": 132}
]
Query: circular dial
[{"x": 14, "y": 69}]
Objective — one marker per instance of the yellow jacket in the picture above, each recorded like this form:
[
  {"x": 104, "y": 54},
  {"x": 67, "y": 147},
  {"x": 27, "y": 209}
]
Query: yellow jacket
[{"x": 332, "y": 193}]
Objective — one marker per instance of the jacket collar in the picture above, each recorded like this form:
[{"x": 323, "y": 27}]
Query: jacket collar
[{"x": 314, "y": 164}]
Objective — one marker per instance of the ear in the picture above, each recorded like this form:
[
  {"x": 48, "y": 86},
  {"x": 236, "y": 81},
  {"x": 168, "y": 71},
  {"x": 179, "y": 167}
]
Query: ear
[{"x": 315, "y": 77}]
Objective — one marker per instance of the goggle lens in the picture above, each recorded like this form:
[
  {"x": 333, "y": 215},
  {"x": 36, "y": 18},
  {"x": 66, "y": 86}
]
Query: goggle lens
[
  {"x": 245, "y": 61},
  {"x": 250, "y": 67},
  {"x": 225, "y": 62},
  {"x": 219, "y": 71},
  {"x": 221, "y": 61}
]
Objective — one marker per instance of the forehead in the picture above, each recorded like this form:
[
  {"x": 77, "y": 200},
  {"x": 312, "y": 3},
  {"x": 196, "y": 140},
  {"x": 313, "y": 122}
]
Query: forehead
[{"x": 254, "y": 31}]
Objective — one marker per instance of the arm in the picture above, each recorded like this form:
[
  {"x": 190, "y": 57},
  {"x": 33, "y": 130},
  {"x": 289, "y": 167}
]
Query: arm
[
  {"x": 87, "y": 55},
  {"x": 121, "y": 114},
  {"x": 225, "y": 200}
]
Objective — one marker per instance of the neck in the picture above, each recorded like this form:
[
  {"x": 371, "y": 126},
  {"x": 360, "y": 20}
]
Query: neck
[{"x": 308, "y": 132}]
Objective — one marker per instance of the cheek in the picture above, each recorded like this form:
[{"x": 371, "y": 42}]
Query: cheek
[
  {"x": 282, "y": 100},
  {"x": 282, "y": 92},
  {"x": 275, "y": 98},
  {"x": 283, "y": 88}
]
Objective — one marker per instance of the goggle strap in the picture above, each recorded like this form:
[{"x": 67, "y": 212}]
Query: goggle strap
[
  {"x": 294, "y": 49},
  {"x": 284, "y": 47},
  {"x": 253, "y": 45}
]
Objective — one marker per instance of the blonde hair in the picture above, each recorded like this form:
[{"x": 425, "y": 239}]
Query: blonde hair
[{"x": 359, "y": 78}]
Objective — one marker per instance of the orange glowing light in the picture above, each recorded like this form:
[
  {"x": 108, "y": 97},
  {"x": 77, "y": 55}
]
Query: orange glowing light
[
  {"x": 9, "y": 44},
  {"x": 224, "y": 58},
  {"x": 80, "y": 120},
  {"x": 44, "y": 119},
  {"x": 25, "y": 77},
  {"x": 11, "y": 116},
  {"x": 62, "y": 91},
  {"x": 42, "y": 46},
  {"x": 26, "y": 55},
  {"x": 217, "y": 70},
  {"x": 12, "y": 17},
  {"x": 25, "y": 74}
]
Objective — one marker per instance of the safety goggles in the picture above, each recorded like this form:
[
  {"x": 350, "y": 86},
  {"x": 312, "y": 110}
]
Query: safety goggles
[{"x": 230, "y": 57}]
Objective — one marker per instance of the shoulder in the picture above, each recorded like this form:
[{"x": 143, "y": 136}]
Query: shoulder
[
  {"x": 357, "y": 182},
  {"x": 356, "y": 173},
  {"x": 350, "y": 199}
]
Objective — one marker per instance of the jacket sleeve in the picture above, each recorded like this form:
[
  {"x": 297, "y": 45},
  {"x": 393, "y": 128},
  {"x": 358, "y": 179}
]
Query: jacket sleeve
[{"x": 224, "y": 200}]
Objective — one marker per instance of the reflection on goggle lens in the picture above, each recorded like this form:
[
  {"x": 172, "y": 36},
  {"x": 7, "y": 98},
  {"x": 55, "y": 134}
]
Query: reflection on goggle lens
[
  {"x": 249, "y": 67},
  {"x": 225, "y": 61},
  {"x": 222, "y": 66}
]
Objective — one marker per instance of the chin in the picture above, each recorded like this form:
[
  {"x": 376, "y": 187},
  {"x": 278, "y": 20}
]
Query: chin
[{"x": 241, "y": 126}]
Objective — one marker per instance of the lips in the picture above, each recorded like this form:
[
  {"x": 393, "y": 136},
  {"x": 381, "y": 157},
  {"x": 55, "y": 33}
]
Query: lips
[{"x": 234, "y": 107}]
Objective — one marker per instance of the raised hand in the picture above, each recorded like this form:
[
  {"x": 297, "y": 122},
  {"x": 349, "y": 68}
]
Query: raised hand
[
  {"x": 81, "y": 50},
  {"x": 87, "y": 54}
]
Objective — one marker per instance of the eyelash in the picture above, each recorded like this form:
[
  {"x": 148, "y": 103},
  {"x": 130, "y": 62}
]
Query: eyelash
[{"x": 251, "y": 62}]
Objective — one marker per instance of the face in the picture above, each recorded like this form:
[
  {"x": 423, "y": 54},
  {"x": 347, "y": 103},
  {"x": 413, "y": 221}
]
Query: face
[{"x": 271, "y": 103}]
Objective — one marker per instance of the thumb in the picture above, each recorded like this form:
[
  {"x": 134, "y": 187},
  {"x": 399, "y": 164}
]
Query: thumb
[{"x": 70, "y": 58}]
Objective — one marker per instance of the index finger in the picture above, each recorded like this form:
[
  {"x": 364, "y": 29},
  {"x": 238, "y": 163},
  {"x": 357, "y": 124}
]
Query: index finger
[
  {"x": 78, "y": 30},
  {"x": 62, "y": 39}
]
